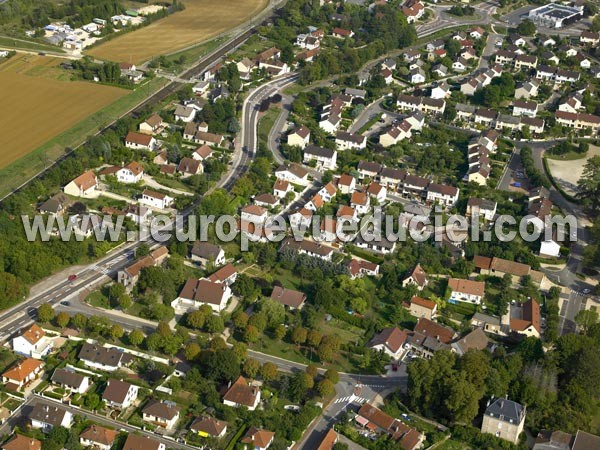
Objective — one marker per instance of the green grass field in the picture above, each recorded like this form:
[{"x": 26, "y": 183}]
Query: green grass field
[{"x": 23, "y": 44}]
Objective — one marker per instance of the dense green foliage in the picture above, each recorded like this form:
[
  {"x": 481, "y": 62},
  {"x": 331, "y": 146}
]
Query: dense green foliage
[{"x": 557, "y": 386}]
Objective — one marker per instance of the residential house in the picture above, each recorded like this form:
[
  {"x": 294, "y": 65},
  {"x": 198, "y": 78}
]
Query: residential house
[
  {"x": 591, "y": 38},
  {"x": 205, "y": 138},
  {"x": 467, "y": 291},
  {"x": 460, "y": 65},
  {"x": 241, "y": 394},
  {"x": 71, "y": 380},
  {"x": 45, "y": 417},
  {"x": 489, "y": 324},
  {"x": 257, "y": 439},
  {"x": 103, "y": 358},
  {"x": 202, "y": 153},
  {"x": 139, "y": 141},
  {"x": 421, "y": 307},
  {"x": 98, "y": 437},
  {"x": 209, "y": 427},
  {"x": 225, "y": 275},
  {"x": 189, "y": 166},
  {"x": 361, "y": 202},
  {"x": 325, "y": 158},
  {"x": 206, "y": 253},
  {"x": 374, "y": 419},
  {"x": 56, "y": 205},
  {"x": 254, "y": 214},
  {"x": 527, "y": 89},
  {"x": 346, "y": 184},
  {"x": 475, "y": 340},
  {"x": 342, "y": 33},
  {"x": 300, "y": 137},
  {"x": 350, "y": 141},
  {"x": 185, "y": 114},
  {"x": 525, "y": 319},
  {"x": 83, "y": 186},
  {"x": 156, "y": 199},
  {"x": 440, "y": 90},
  {"x": 137, "y": 442},
  {"x": 119, "y": 394},
  {"x": 196, "y": 293},
  {"x": 32, "y": 342},
  {"x": 151, "y": 125},
  {"x": 309, "y": 248},
  {"x": 266, "y": 200},
  {"x": 130, "y": 275},
  {"x": 443, "y": 194},
  {"x": 162, "y": 414},
  {"x": 20, "y": 442},
  {"x": 293, "y": 173},
  {"x": 505, "y": 419},
  {"x": 377, "y": 191},
  {"x": 578, "y": 121},
  {"x": 245, "y": 68},
  {"x": 358, "y": 268},
  {"x": 368, "y": 169},
  {"x": 525, "y": 108},
  {"x": 417, "y": 277},
  {"x": 281, "y": 188},
  {"x": 417, "y": 76},
  {"x": 21, "y": 374},
  {"x": 390, "y": 341},
  {"x": 481, "y": 207},
  {"x": 439, "y": 69},
  {"x": 288, "y": 297},
  {"x": 525, "y": 62},
  {"x": 413, "y": 10}
]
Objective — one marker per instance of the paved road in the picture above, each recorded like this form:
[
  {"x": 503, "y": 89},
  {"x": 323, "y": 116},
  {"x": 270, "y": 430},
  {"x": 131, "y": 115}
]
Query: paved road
[{"x": 28, "y": 406}]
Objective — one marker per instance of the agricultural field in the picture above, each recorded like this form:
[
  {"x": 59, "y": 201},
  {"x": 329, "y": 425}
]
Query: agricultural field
[
  {"x": 201, "y": 20},
  {"x": 40, "y": 102}
]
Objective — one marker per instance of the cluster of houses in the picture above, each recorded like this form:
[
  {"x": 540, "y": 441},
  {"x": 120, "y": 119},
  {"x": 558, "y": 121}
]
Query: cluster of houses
[{"x": 117, "y": 395}]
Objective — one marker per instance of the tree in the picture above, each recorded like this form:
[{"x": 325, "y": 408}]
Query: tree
[
  {"x": 251, "y": 334},
  {"x": 214, "y": 324},
  {"x": 526, "y": 28},
  {"x": 91, "y": 400},
  {"x": 268, "y": 371},
  {"x": 240, "y": 319},
  {"x": 191, "y": 351},
  {"x": 221, "y": 365},
  {"x": 164, "y": 329},
  {"x": 312, "y": 370},
  {"x": 124, "y": 302},
  {"x": 142, "y": 250},
  {"x": 62, "y": 319},
  {"x": 196, "y": 319},
  {"x": 79, "y": 321},
  {"x": 136, "y": 337},
  {"x": 45, "y": 313},
  {"x": 332, "y": 376},
  {"x": 586, "y": 318},
  {"x": 280, "y": 332},
  {"x": 240, "y": 349},
  {"x": 116, "y": 331},
  {"x": 314, "y": 338},
  {"x": 589, "y": 183},
  {"x": 299, "y": 335},
  {"x": 251, "y": 367},
  {"x": 325, "y": 387}
]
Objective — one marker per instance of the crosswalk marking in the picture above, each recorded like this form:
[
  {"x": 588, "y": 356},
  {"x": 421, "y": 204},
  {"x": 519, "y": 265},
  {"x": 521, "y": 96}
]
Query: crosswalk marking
[
  {"x": 100, "y": 269},
  {"x": 351, "y": 399}
]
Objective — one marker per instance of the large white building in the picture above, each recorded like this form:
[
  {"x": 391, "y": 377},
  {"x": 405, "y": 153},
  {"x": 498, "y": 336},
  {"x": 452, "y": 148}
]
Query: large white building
[{"x": 554, "y": 15}]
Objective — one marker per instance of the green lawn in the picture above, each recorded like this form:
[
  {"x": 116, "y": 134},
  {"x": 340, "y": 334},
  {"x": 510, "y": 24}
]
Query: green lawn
[
  {"x": 265, "y": 125},
  {"x": 35, "y": 161},
  {"x": 24, "y": 44},
  {"x": 569, "y": 156},
  {"x": 192, "y": 54},
  {"x": 451, "y": 444}
]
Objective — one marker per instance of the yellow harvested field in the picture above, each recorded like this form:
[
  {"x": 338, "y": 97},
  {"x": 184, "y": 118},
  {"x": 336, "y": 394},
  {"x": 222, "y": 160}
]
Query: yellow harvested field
[
  {"x": 199, "y": 21},
  {"x": 38, "y": 106}
]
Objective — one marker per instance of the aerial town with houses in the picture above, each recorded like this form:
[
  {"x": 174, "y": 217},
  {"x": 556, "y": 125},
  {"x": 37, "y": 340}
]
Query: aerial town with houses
[{"x": 327, "y": 115}]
